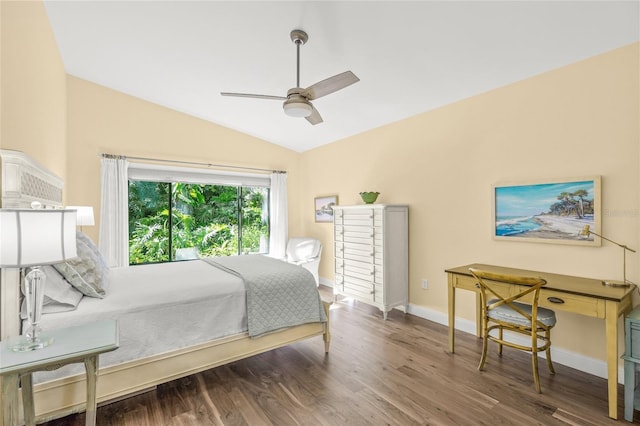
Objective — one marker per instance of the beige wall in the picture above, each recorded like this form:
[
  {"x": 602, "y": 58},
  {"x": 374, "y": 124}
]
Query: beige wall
[
  {"x": 576, "y": 121},
  {"x": 106, "y": 121},
  {"x": 33, "y": 105}
]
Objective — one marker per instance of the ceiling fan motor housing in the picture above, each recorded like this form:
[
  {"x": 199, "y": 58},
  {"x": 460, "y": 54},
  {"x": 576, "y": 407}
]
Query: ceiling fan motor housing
[{"x": 297, "y": 105}]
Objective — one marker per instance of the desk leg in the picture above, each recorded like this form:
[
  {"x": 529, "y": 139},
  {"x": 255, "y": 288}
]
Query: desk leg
[
  {"x": 611, "y": 320},
  {"x": 91, "y": 365},
  {"x": 452, "y": 314},
  {"x": 10, "y": 400}
]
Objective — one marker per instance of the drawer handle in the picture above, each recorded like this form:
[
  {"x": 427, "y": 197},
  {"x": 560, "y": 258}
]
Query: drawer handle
[
  {"x": 477, "y": 285},
  {"x": 557, "y": 300}
]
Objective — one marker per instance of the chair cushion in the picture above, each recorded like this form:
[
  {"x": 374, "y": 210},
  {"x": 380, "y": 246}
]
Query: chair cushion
[
  {"x": 505, "y": 313},
  {"x": 303, "y": 249}
]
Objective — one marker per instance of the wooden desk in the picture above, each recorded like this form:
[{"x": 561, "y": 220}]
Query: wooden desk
[
  {"x": 584, "y": 296},
  {"x": 82, "y": 343}
]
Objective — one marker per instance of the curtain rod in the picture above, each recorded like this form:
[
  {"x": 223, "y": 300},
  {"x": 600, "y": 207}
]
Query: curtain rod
[{"x": 193, "y": 163}]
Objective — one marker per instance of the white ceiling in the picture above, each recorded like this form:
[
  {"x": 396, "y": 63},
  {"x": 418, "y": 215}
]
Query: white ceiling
[{"x": 411, "y": 56}]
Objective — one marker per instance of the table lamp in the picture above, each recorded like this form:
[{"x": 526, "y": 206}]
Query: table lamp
[
  {"x": 84, "y": 217},
  {"x": 586, "y": 231},
  {"x": 30, "y": 239}
]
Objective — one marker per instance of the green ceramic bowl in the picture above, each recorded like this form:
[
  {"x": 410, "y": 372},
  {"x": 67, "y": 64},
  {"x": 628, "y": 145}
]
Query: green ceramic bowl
[{"x": 369, "y": 197}]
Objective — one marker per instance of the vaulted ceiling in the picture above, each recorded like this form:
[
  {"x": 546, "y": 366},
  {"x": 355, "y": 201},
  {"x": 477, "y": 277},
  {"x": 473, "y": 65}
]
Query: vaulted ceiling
[{"x": 411, "y": 57}]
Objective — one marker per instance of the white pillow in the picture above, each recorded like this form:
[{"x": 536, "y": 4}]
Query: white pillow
[
  {"x": 59, "y": 295},
  {"x": 97, "y": 256},
  {"x": 88, "y": 272}
]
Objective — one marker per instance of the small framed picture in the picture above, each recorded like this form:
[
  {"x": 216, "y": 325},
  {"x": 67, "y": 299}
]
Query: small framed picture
[
  {"x": 554, "y": 211},
  {"x": 324, "y": 208}
]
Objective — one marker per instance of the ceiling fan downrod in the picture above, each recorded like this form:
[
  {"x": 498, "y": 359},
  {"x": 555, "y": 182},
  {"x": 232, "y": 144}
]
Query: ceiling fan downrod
[{"x": 298, "y": 37}]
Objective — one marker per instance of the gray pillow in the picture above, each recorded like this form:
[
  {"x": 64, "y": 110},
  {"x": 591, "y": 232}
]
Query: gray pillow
[
  {"x": 97, "y": 256},
  {"x": 88, "y": 272},
  {"x": 59, "y": 295}
]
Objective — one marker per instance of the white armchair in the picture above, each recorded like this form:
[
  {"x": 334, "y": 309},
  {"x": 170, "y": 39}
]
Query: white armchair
[{"x": 306, "y": 253}]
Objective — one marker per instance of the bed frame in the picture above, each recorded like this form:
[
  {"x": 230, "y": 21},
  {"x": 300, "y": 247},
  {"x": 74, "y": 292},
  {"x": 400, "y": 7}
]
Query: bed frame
[{"x": 24, "y": 181}]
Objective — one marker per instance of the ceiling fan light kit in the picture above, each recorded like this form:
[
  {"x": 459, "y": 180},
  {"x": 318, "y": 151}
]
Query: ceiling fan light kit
[
  {"x": 297, "y": 103},
  {"x": 297, "y": 107}
]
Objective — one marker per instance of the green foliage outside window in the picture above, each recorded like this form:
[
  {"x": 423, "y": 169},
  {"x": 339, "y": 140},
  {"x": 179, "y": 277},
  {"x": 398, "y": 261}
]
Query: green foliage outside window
[{"x": 216, "y": 220}]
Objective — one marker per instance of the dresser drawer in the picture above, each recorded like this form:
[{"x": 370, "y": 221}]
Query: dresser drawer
[
  {"x": 560, "y": 301},
  {"x": 464, "y": 282},
  {"x": 367, "y": 252},
  {"x": 360, "y": 270},
  {"x": 360, "y": 289}
]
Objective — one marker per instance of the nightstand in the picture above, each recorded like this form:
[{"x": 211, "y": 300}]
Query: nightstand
[
  {"x": 82, "y": 343},
  {"x": 631, "y": 359}
]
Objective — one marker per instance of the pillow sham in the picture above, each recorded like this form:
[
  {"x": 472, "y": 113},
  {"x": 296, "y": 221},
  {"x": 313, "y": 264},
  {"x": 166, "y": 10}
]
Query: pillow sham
[
  {"x": 88, "y": 272},
  {"x": 98, "y": 257},
  {"x": 59, "y": 295}
]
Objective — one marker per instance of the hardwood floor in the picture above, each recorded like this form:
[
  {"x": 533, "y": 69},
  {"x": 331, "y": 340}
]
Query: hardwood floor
[{"x": 395, "y": 372}]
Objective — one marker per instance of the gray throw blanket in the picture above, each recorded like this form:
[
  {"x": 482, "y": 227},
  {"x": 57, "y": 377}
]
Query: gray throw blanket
[{"x": 279, "y": 294}]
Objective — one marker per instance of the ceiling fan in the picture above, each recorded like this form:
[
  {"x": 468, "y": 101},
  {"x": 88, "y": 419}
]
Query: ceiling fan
[{"x": 297, "y": 103}]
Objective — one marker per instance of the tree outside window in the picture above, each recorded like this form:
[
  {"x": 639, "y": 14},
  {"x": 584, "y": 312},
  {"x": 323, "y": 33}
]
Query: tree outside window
[{"x": 167, "y": 219}]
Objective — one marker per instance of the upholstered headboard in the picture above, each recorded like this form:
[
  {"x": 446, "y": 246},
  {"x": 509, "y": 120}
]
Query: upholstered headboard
[{"x": 23, "y": 181}]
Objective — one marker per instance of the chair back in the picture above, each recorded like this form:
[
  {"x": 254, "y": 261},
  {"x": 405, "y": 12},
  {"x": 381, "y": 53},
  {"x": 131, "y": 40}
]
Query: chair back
[
  {"x": 303, "y": 249},
  {"x": 492, "y": 298}
]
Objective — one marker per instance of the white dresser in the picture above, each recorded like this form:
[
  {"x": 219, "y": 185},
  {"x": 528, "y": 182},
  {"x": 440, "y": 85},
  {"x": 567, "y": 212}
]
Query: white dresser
[{"x": 372, "y": 254}]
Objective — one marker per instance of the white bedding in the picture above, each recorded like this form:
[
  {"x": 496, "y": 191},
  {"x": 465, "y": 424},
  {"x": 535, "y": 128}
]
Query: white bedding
[{"x": 186, "y": 303}]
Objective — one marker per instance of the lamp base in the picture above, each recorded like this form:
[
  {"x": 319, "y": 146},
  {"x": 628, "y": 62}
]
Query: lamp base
[
  {"x": 615, "y": 283},
  {"x": 26, "y": 343}
]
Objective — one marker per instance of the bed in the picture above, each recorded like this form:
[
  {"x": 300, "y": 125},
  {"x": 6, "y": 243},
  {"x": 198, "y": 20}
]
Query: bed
[{"x": 175, "y": 319}]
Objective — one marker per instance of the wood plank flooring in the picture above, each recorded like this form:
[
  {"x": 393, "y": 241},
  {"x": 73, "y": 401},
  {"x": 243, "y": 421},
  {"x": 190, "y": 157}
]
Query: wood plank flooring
[{"x": 394, "y": 372}]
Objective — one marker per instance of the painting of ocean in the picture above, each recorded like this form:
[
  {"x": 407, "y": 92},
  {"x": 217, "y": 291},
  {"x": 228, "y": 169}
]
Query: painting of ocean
[
  {"x": 556, "y": 210},
  {"x": 513, "y": 225}
]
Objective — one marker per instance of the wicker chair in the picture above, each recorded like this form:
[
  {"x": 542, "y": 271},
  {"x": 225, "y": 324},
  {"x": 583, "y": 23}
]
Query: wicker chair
[{"x": 517, "y": 313}]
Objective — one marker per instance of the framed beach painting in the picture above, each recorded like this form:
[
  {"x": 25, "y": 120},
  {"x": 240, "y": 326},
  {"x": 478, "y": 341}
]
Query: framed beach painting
[
  {"x": 548, "y": 211},
  {"x": 323, "y": 208}
]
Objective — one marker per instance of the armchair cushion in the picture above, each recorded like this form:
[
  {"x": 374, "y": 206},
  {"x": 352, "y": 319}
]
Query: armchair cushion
[{"x": 300, "y": 250}]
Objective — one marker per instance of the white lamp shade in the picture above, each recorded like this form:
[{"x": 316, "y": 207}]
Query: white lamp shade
[
  {"x": 36, "y": 237},
  {"x": 84, "y": 216}
]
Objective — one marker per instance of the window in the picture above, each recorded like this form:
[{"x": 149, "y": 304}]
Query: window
[{"x": 208, "y": 215}]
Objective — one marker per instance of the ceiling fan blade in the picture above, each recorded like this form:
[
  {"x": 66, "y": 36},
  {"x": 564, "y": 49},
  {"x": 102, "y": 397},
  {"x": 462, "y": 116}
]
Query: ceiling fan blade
[
  {"x": 315, "y": 117},
  {"x": 250, "y": 95},
  {"x": 330, "y": 85}
]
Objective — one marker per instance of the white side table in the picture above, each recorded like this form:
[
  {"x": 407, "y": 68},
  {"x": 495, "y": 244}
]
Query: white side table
[{"x": 82, "y": 343}]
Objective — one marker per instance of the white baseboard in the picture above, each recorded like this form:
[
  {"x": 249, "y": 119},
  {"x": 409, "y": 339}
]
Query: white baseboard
[{"x": 561, "y": 356}]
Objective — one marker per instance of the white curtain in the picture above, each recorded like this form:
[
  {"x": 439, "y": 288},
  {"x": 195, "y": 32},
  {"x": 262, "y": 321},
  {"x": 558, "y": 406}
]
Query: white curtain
[
  {"x": 114, "y": 211},
  {"x": 279, "y": 219}
]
